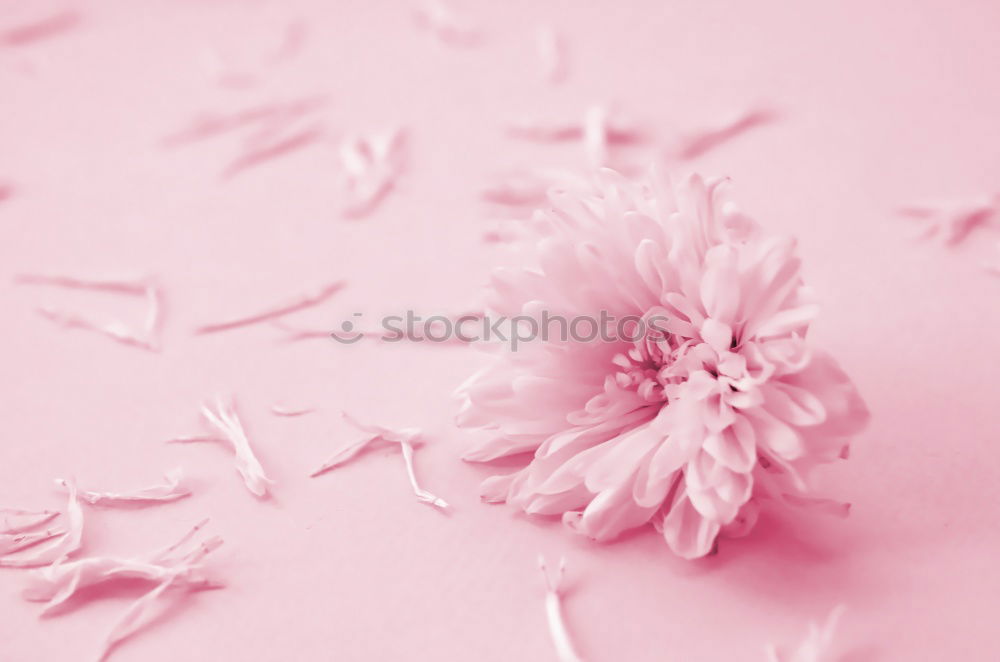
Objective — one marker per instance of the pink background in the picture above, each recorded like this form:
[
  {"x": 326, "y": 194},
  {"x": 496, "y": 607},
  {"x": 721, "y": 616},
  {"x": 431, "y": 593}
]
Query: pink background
[{"x": 882, "y": 104}]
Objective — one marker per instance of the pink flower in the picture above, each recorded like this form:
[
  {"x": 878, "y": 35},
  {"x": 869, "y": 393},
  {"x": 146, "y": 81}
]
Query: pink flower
[{"x": 688, "y": 427}]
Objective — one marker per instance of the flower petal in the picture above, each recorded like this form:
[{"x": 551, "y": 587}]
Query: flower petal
[
  {"x": 720, "y": 284},
  {"x": 717, "y": 334},
  {"x": 611, "y": 513},
  {"x": 735, "y": 447},
  {"x": 793, "y": 405},
  {"x": 776, "y": 436},
  {"x": 496, "y": 488},
  {"x": 687, "y": 532}
]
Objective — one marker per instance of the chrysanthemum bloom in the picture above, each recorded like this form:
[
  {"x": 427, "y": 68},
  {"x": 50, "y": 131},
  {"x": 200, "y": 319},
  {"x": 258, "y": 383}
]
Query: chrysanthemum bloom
[{"x": 689, "y": 427}]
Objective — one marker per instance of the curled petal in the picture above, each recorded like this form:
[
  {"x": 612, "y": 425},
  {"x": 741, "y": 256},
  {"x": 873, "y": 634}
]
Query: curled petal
[
  {"x": 715, "y": 491},
  {"x": 689, "y": 534},
  {"x": 609, "y": 514}
]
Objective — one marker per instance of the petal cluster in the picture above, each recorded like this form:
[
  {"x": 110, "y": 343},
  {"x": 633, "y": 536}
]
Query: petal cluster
[{"x": 720, "y": 404}]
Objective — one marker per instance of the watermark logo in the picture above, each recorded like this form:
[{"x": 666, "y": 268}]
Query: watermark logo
[
  {"x": 513, "y": 331},
  {"x": 349, "y": 333}
]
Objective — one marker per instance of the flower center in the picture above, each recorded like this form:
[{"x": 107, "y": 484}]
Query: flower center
[{"x": 645, "y": 367}]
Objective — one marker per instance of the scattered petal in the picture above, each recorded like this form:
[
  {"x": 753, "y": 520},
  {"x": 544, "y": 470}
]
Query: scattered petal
[
  {"x": 954, "y": 222},
  {"x": 422, "y": 495},
  {"x": 293, "y": 39},
  {"x": 303, "y": 302},
  {"x": 63, "y": 546},
  {"x": 551, "y": 55},
  {"x": 147, "y": 338},
  {"x": 196, "y": 439},
  {"x": 407, "y": 438},
  {"x": 598, "y": 129},
  {"x": 271, "y": 149},
  {"x": 165, "y": 555},
  {"x": 171, "y": 490},
  {"x": 527, "y": 187},
  {"x": 140, "y": 613},
  {"x": 696, "y": 143},
  {"x": 595, "y": 136},
  {"x": 16, "y": 520},
  {"x": 271, "y": 116},
  {"x": 565, "y": 651},
  {"x": 294, "y": 334},
  {"x": 59, "y": 582},
  {"x": 222, "y": 416},
  {"x": 15, "y": 542},
  {"x": 135, "y": 618},
  {"x": 371, "y": 165},
  {"x": 29, "y": 33},
  {"x": 441, "y": 20},
  {"x": 815, "y": 647},
  {"x": 115, "y": 330},
  {"x": 281, "y": 410},
  {"x": 617, "y": 128},
  {"x": 132, "y": 287}
]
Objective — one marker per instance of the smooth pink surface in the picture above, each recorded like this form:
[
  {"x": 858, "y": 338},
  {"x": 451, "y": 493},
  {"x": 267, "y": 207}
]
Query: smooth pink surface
[{"x": 881, "y": 105}]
